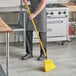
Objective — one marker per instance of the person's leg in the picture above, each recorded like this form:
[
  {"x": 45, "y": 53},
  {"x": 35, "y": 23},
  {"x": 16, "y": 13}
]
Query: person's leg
[
  {"x": 43, "y": 39},
  {"x": 29, "y": 45}
]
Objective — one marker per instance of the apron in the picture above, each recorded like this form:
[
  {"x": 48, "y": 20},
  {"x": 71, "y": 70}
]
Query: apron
[{"x": 40, "y": 19}]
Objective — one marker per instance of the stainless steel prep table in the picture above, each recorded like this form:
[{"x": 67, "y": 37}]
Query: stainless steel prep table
[{"x": 19, "y": 10}]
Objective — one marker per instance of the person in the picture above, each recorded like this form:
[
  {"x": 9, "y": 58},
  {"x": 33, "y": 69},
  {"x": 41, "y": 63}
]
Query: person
[{"x": 38, "y": 8}]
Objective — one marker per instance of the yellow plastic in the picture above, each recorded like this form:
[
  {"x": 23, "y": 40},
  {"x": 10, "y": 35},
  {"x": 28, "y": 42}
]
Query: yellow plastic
[{"x": 48, "y": 65}]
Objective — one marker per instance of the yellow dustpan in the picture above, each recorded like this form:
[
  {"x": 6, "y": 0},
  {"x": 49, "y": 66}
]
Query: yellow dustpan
[{"x": 48, "y": 64}]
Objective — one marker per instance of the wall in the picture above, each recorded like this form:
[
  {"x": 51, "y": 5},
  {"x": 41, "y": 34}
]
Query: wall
[{"x": 12, "y": 18}]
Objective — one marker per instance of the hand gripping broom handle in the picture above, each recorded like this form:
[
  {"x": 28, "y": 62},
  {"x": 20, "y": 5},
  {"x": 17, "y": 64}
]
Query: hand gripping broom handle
[{"x": 36, "y": 32}]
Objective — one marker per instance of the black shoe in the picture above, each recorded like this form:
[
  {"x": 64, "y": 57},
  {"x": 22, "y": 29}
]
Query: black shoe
[
  {"x": 27, "y": 56},
  {"x": 41, "y": 57}
]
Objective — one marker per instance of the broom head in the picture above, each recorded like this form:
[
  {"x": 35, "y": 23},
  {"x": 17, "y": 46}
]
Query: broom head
[{"x": 48, "y": 65}]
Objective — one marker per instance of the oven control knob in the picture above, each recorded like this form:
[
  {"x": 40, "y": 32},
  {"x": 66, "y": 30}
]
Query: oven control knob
[
  {"x": 51, "y": 13},
  {"x": 59, "y": 13},
  {"x": 64, "y": 12},
  {"x": 46, "y": 13}
]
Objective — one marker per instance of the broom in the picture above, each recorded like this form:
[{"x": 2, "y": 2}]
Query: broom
[{"x": 48, "y": 64}]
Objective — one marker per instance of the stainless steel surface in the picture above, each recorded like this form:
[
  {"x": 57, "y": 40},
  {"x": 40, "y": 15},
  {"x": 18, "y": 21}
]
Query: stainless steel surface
[
  {"x": 11, "y": 9},
  {"x": 56, "y": 10},
  {"x": 54, "y": 5},
  {"x": 21, "y": 4},
  {"x": 57, "y": 22},
  {"x": 7, "y": 55},
  {"x": 24, "y": 36}
]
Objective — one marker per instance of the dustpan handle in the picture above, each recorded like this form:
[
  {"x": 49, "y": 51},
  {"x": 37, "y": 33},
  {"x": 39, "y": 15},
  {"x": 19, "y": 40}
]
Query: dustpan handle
[{"x": 36, "y": 32}]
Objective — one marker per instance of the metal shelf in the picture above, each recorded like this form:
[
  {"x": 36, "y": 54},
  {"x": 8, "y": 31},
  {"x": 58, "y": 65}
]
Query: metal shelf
[
  {"x": 20, "y": 11},
  {"x": 16, "y": 27}
]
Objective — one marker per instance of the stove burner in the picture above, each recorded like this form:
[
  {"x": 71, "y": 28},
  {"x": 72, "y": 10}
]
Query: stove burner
[{"x": 54, "y": 5}]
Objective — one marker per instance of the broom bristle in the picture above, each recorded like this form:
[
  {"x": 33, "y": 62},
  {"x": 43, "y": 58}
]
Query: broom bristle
[{"x": 48, "y": 65}]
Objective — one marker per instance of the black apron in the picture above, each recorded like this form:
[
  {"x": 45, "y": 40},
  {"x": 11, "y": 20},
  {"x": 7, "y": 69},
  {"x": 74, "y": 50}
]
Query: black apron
[{"x": 40, "y": 19}]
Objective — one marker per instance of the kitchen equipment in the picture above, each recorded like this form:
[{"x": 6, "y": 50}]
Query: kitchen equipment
[
  {"x": 57, "y": 22},
  {"x": 48, "y": 64}
]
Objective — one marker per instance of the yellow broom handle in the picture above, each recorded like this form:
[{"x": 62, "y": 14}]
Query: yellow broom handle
[{"x": 36, "y": 31}]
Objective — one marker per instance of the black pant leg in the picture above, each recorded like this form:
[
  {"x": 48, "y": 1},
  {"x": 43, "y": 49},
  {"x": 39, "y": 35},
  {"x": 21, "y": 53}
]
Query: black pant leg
[
  {"x": 29, "y": 44},
  {"x": 43, "y": 39}
]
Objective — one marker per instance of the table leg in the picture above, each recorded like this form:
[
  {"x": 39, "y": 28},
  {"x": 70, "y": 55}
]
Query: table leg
[
  {"x": 7, "y": 54},
  {"x": 18, "y": 27},
  {"x": 24, "y": 22}
]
